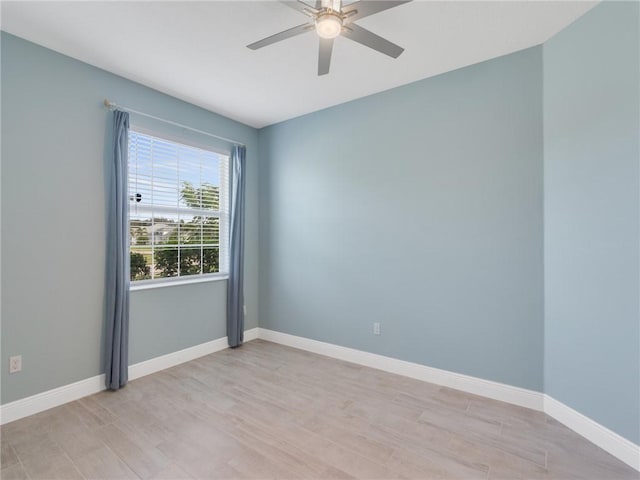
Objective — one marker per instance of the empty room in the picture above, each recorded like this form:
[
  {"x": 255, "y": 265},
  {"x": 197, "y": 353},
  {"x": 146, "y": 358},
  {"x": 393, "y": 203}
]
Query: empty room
[{"x": 320, "y": 239}]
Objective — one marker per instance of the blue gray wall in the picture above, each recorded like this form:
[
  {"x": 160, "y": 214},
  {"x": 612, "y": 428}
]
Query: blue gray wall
[
  {"x": 419, "y": 208},
  {"x": 54, "y": 130},
  {"x": 592, "y": 208}
]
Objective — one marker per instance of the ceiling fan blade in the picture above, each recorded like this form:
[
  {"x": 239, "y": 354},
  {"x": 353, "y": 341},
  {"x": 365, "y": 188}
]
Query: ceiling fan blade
[
  {"x": 324, "y": 56},
  {"x": 364, "y": 8},
  {"x": 301, "y": 6},
  {"x": 371, "y": 40},
  {"x": 292, "y": 32}
]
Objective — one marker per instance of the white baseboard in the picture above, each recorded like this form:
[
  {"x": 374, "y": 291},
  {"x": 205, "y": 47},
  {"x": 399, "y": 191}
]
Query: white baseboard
[
  {"x": 609, "y": 441},
  {"x": 51, "y": 398},
  {"x": 40, "y": 402},
  {"x": 251, "y": 334},
  {"x": 486, "y": 388},
  {"x": 596, "y": 433},
  {"x": 186, "y": 355}
]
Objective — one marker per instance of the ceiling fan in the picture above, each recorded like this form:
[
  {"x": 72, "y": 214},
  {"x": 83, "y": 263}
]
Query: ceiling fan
[{"x": 329, "y": 18}]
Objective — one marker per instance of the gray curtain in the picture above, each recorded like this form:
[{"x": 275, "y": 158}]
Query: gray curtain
[
  {"x": 117, "y": 288},
  {"x": 235, "y": 293}
]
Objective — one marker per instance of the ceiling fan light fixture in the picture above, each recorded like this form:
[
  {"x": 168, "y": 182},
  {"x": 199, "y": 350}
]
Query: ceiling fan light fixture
[
  {"x": 331, "y": 19},
  {"x": 328, "y": 25}
]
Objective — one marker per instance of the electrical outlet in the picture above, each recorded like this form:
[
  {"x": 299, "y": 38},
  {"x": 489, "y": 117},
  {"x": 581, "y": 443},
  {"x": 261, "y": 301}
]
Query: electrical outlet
[
  {"x": 244, "y": 310},
  {"x": 376, "y": 328},
  {"x": 15, "y": 364}
]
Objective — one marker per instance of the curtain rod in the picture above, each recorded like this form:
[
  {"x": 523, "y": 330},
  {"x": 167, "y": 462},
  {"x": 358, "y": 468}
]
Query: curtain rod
[{"x": 112, "y": 106}]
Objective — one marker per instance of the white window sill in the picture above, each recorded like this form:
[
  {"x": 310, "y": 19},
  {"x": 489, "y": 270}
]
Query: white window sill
[{"x": 149, "y": 285}]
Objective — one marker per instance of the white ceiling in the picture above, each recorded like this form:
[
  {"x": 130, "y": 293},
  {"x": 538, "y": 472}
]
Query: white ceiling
[{"x": 196, "y": 51}]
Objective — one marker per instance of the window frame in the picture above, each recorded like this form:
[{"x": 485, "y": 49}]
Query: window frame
[{"x": 223, "y": 215}]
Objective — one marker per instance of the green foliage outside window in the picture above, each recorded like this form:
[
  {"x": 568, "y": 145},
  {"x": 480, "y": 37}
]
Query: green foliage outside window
[
  {"x": 191, "y": 245},
  {"x": 139, "y": 268}
]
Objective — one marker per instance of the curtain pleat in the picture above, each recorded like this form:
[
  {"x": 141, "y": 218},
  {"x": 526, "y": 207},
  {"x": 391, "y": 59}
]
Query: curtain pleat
[
  {"x": 235, "y": 289},
  {"x": 117, "y": 287}
]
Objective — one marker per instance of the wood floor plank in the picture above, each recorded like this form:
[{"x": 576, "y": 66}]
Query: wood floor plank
[
  {"x": 502, "y": 465},
  {"x": 356, "y": 441},
  {"x": 269, "y": 411},
  {"x": 90, "y": 413},
  {"x": 347, "y": 460},
  {"x": 432, "y": 465},
  {"x": 8, "y": 455},
  {"x": 102, "y": 464},
  {"x": 144, "y": 459},
  {"x": 13, "y": 472},
  {"x": 172, "y": 471},
  {"x": 50, "y": 467},
  {"x": 37, "y": 444}
]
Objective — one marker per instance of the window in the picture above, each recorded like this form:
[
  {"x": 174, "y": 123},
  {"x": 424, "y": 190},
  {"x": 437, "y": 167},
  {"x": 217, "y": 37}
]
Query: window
[{"x": 178, "y": 209}]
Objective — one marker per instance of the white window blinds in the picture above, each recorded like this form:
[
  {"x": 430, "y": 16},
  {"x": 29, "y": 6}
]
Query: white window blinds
[{"x": 178, "y": 209}]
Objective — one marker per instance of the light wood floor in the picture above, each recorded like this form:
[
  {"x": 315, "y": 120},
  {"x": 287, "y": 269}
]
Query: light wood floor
[{"x": 268, "y": 411}]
